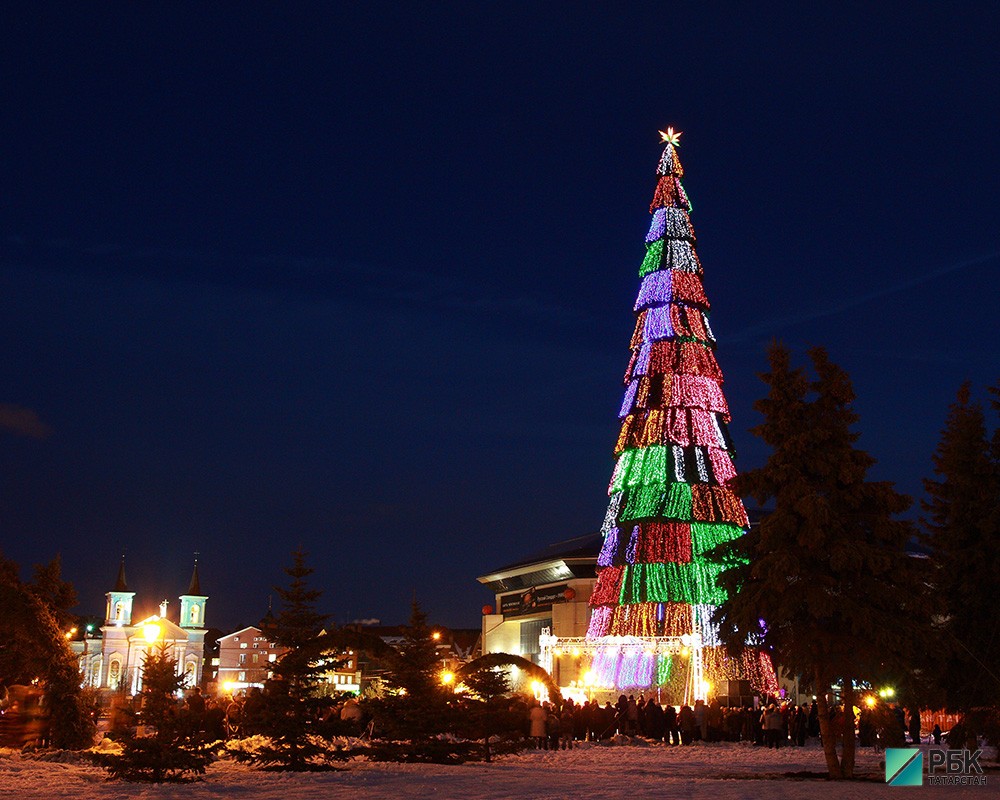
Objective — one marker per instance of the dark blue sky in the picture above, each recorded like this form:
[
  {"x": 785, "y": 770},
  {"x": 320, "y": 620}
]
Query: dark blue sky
[{"x": 362, "y": 279}]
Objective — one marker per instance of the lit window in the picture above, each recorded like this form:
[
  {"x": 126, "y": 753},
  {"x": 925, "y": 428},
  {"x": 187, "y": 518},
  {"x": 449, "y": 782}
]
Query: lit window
[
  {"x": 243, "y": 645},
  {"x": 114, "y": 673}
]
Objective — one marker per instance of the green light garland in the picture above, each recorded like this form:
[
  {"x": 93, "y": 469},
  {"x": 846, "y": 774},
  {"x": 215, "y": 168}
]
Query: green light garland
[
  {"x": 664, "y": 666},
  {"x": 692, "y": 583},
  {"x": 706, "y": 535},
  {"x": 653, "y": 259}
]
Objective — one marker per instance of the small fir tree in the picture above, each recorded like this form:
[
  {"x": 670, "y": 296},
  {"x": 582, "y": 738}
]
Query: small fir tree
[
  {"x": 486, "y": 712},
  {"x": 416, "y": 667},
  {"x": 963, "y": 523},
  {"x": 167, "y": 750},
  {"x": 417, "y": 705},
  {"x": 824, "y": 580}
]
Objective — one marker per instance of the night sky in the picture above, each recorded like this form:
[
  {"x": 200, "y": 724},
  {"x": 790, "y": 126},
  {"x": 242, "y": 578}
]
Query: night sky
[{"x": 361, "y": 279}]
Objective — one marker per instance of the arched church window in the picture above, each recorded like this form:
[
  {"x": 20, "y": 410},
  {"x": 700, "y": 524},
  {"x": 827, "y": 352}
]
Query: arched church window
[
  {"x": 195, "y": 610},
  {"x": 114, "y": 673},
  {"x": 119, "y": 610}
]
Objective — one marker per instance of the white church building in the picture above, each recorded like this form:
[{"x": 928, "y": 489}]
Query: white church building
[{"x": 115, "y": 660}]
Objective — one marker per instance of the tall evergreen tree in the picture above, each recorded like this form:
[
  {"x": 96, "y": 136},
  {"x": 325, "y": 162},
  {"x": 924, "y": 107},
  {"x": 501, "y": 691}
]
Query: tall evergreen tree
[
  {"x": 963, "y": 521},
  {"x": 824, "y": 580},
  {"x": 293, "y": 700}
]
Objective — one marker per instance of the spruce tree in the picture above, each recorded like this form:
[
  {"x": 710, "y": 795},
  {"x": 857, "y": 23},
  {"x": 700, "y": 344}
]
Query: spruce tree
[
  {"x": 416, "y": 707},
  {"x": 293, "y": 700},
  {"x": 824, "y": 580},
  {"x": 486, "y": 712},
  {"x": 167, "y": 750},
  {"x": 963, "y": 523},
  {"x": 416, "y": 667}
]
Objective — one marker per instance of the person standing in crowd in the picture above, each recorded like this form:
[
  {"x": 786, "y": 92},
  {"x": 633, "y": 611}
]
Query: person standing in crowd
[
  {"x": 774, "y": 725},
  {"x": 672, "y": 732},
  {"x": 814, "y": 720},
  {"x": 631, "y": 717},
  {"x": 537, "y": 717},
  {"x": 915, "y": 725},
  {"x": 713, "y": 722},
  {"x": 655, "y": 720},
  {"x": 687, "y": 723},
  {"x": 552, "y": 723},
  {"x": 798, "y": 725},
  {"x": 700, "y": 720},
  {"x": 567, "y": 724}
]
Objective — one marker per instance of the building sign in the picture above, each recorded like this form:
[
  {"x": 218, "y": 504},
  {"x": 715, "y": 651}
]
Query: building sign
[{"x": 532, "y": 601}]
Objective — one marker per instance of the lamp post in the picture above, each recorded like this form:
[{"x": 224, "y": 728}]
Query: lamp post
[{"x": 87, "y": 677}]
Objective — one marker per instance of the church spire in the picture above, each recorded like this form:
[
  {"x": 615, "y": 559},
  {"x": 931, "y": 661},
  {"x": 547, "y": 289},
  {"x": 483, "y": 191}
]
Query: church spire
[
  {"x": 120, "y": 584},
  {"x": 193, "y": 602},
  {"x": 194, "y": 588},
  {"x": 119, "y": 608}
]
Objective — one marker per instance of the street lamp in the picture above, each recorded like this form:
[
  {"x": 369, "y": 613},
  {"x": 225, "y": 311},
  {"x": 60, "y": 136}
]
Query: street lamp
[
  {"x": 150, "y": 631},
  {"x": 87, "y": 677}
]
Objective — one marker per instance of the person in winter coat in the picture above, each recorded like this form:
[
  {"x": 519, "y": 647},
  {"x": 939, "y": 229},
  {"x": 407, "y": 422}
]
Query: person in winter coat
[
  {"x": 552, "y": 725},
  {"x": 567, "y": 723},
  {"x": 537, "y": 717},
  {"x": 701, "y": 720},
  {"x": 672, "y": 734},
  {"x": 655, "y": 724},
  {"x": 631, "y": 717},
  {"x": 687, "y": 724},
  {"x": 774, "y": 726},
  {"x": 915, "y": 725}
]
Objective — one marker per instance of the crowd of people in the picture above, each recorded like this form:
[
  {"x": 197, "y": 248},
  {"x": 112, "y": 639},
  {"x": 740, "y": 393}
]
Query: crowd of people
[{"x": 773, "y": 725}]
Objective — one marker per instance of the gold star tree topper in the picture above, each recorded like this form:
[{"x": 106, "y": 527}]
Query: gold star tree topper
[{"x": 670, "y": 137}]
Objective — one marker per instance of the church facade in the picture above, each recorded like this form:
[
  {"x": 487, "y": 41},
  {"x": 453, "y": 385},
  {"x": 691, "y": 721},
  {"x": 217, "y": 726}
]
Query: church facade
[{"x": 114, "y": 661}]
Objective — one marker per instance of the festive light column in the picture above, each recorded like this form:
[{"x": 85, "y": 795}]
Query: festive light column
[{"x": 669, "y": 498}]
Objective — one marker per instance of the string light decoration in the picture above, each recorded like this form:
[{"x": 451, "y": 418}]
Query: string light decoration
[{"x": 670, "y": 501}]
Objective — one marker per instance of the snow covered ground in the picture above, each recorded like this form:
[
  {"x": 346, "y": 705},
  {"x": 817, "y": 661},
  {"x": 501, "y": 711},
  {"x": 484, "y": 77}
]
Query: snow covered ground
[{"x": 718, "y": 771}]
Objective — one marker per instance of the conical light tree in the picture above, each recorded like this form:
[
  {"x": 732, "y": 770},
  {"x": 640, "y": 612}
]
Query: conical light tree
[{"x": 656, "y": 591}]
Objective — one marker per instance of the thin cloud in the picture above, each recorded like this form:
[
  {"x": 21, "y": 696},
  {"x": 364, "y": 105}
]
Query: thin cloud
[
  {"x": 23, "y": 422},
  {"x": 776, "y": 323},
  {"x": 324, "y": 276}
]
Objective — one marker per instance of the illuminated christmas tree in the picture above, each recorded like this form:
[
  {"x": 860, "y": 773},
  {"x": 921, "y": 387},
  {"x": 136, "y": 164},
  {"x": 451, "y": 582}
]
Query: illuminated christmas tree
[{"x": 670, "y": 502}]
